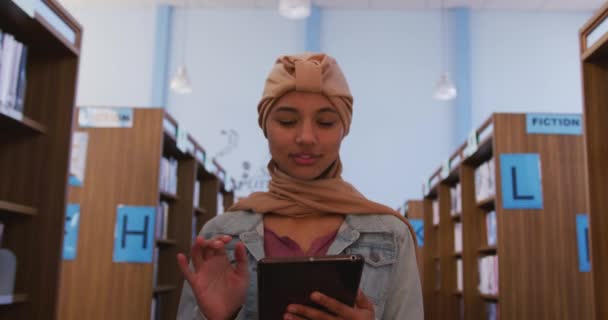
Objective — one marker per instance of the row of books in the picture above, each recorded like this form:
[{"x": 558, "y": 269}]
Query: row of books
[
  {"x": 13, "y": 65},
  {"x": 491, "y": 228},
  {"x": 492, "y": 311},
  {"x": 162, "y": 221},
  {"x": 168, "y": 175},
  {"x": 485, "y": 180},
  {"x": 456, "y": 200},
  {"x": 488, "y": 275}
]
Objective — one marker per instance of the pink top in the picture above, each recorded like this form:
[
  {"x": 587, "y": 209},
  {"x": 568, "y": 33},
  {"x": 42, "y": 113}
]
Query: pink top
[{"x": 276, "y": 246}]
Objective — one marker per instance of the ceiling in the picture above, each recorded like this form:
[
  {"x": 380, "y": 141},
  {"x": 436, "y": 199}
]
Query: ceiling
[{"x": 543, "y": 5}]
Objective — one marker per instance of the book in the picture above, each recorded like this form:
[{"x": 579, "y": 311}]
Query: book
[
  {"x": 168, "y": 175},
  {"x": 488, "y": 275},
  {"x": 459, "y": 275},
  {"x": 197, "y": 193},
  {"x": 458, "y": 237},
  {"x": 491, "y": 229},
  {"x": 485, "y": 181},
  {"x": 162, "y": 220},
  {"x": 456, "y": 200},
  {"x": 1, "y": 232},
  {"x": 435, "y": 212}
]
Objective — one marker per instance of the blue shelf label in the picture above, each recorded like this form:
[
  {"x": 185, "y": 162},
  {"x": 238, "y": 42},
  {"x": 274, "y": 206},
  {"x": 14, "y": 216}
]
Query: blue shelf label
[
  {"x": 70, "y": 237},
  {"x": 565, "y": 124},
  {"x": 521, "y": 181},
  {"x": 418, "y": 225},
  {"x": 582, "y": 237},
  {"x": 134, "y": 234}
]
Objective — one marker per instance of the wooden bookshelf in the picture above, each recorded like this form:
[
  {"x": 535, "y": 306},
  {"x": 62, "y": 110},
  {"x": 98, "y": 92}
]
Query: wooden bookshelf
[
  {"x": 34, "y": 156},
  {"x": 415, "y": 211},
  {"x": 431, "y": 284},
  {"x": 594, "y": 65},
  {"x": 536, "y": 248},
  {"x": 123, "y": 168}
]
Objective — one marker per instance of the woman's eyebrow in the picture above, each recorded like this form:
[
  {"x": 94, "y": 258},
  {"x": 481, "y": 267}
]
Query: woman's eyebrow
[
  {"x": 286, "y": 109},
  {"x": 328, "y": 109}
]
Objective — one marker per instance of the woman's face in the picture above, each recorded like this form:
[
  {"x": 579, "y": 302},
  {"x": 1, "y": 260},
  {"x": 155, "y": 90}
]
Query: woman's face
[{"x": 304, "y": 134}]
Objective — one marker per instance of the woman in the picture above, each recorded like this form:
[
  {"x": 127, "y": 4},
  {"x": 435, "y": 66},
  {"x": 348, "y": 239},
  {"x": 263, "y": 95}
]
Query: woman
[{"x": 305, "y": 113}]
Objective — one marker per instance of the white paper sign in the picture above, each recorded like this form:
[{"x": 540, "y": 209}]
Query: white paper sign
[{"x": 105, "y": 117}]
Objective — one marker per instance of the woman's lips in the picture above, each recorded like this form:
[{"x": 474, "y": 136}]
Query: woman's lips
[{"x": 305, "y": 159}]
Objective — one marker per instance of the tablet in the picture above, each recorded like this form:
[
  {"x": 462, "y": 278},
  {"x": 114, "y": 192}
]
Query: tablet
[{"x": 283, "y": 281}]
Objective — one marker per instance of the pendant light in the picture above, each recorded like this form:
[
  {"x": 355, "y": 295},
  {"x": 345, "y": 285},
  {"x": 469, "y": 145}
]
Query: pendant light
[
  {"x": 295, "y": 9},
  {"x": 180, "y": 83},
  {"x": 445, "y": 90}
]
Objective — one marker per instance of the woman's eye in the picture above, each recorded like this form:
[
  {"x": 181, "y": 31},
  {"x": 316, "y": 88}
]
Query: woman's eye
[
  {"x": 287, "y": 123},
  {"x": 326, "y": 123}
]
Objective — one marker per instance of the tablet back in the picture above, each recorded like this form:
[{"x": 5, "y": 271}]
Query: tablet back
[{"x": 283, "y": 281}]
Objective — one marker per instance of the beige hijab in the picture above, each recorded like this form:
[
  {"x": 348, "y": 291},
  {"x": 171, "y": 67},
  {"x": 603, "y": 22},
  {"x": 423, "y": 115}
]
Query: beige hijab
[{"x": 328, "y": 194}]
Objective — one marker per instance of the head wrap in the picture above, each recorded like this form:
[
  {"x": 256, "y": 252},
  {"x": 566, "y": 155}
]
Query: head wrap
[{"x": 307, "y": 72}]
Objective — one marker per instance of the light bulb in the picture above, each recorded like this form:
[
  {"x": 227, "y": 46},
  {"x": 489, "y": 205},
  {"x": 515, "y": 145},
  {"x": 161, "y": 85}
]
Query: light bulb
[
  {"x": 295, "y": 9},
  {"x": 181, "y": 81},
  {"x": 445, "y": 89}
]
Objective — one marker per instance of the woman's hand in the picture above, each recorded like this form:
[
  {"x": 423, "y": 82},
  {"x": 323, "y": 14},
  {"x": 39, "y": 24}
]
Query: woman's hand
[
  {"x": 220, "y": 289},
  {"x": 363, "y": 310}
]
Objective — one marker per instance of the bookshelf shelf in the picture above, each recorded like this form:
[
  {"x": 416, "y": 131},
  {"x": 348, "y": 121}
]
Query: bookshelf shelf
[
  {"x": 166, "y": 242},
  {"x": 164, "y": 289},
  {"x": 489, "y": 297},
  {"x": 456, "y": 217},
  {"x": 528, "y": 238},
  {"x": 200, "y": 211},
  {"x": 24, "y": 126},
  {"x": 12, "y": 299},
  {"x": 169, "y": 197},
  {"x": 8, "y": 209},
  {"x": 489, "y": 250},
  {"x": 487, "y": 204},
  {"x": 594, "y": 63}
]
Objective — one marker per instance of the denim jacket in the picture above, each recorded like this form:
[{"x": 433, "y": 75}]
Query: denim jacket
[{"x": 390, "y": 276}]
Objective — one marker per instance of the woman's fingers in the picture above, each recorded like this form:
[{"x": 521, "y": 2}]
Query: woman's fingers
[
  {"x": 305, "y": 312},
  {"x": 331, "y": 304},
  {"x": 196, "y": 253},
  {"x": 291, "y": 316},
  {"x": 182, "y": 262},
  {"x": 363, "y": 302},
  {"x": 240, "y": 256}
]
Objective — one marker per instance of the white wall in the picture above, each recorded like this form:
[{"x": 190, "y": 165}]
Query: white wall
[
  {"x": 117, "y": 55},
  {"x": 525, "y": 62}
]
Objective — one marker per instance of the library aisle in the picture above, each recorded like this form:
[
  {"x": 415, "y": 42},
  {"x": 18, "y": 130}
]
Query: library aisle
[{"x": 127, "y": 126}]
